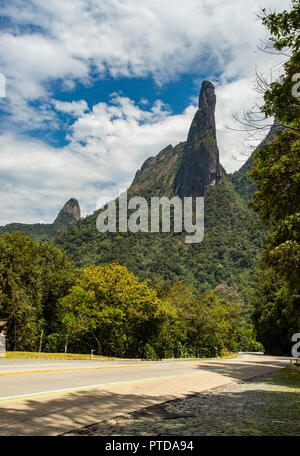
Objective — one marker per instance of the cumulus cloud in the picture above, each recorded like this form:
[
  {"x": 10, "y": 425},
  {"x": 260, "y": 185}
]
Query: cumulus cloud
[
  {"x": 234, "y": 99},
  {"x": 67, "y": 40},
  {"x": 106, "y": 146},
  {"x": 74, "y": 108},
  {"x": 82, "y": 40}
]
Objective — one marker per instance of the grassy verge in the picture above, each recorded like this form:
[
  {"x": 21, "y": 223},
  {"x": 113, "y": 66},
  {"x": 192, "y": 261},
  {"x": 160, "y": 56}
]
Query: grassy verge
[
  {"x": 37, "y": 355},
  {"x": 288, "y": 377},
  {"x": 34, "y": 355}
]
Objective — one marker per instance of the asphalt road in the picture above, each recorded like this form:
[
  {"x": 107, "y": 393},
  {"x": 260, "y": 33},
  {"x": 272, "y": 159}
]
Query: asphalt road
[{"x": 50, "y": 397}]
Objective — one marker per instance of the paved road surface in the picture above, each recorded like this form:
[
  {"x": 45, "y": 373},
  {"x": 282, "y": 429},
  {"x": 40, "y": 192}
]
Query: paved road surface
[{"x": 50, "y": 397}]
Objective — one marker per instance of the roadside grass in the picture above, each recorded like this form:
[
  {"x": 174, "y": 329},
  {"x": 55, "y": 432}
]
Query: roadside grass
[
  {"x": 41, "y": 355},
  {"x": 287, "y": 377},
  {"x": 72, "y": 356}
]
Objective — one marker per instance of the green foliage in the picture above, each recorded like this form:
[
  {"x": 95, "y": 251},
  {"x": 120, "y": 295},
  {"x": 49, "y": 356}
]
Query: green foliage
[
  {"x": 276, "y": 172},
  {"x": 232, "y": 238},
  {"x": 111, "y": 303},
  {"x": 37, "y": 231},
  {"x": 284, "y": 28},
  {"x": 205, "y": 324},
  {"x": 50, "y": 305},
  {"x": 276, "y": 312},
  {"x": 32, "y": 277}
]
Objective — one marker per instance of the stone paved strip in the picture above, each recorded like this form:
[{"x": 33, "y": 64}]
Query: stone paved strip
[{"x": 257, "y": 407}]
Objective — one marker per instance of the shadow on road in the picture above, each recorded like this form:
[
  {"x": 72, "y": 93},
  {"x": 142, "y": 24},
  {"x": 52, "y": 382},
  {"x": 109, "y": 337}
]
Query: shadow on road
[
  {"x": 236, "y": 410},
  {"x": 53, "y": 415},
  {"x": 236, "y": 370},
  {"x": 33, "y": 416}
]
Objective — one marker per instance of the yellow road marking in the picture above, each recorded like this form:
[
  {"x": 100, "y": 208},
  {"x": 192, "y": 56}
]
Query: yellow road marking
[{"x": 68, "y": 370}]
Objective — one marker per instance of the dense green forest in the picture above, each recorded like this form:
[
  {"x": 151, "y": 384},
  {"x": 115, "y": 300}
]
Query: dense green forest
[
  {"x": 230, "y": 250},
  {"x": 152, "y": 295},
  {"x": 52, "y": 307},
  {"x": 276, "y": 173}
]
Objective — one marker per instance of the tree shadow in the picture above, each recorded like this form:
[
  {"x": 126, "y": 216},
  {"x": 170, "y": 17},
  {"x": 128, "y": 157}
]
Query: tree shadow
[
  {"x": 53, "y": 416},
  {"x": 238, "y": 370},
  {"x": 232, "y": 410}
]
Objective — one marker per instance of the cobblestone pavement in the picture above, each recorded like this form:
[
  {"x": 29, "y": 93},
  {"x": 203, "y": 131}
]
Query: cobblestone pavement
[{"x": 267, "y": 405}]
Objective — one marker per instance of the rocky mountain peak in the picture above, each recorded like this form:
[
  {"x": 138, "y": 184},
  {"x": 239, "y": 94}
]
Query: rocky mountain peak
[
  {"x": 69, "y": 213},
  {"x": 207, "y": 96},
  {"x": 200, "y": 167}
]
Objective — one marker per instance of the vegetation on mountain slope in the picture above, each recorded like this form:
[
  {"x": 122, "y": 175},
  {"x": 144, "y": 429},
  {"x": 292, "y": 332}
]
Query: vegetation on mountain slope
[
  {"x": 68, "y": 215},
  {"x": 276, "y": 173},
  {"x": 230, "y": 249}
]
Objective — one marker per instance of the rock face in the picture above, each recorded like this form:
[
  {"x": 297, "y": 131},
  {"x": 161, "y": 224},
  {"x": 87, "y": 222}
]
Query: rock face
[
  {"x": 156, "y": 176},
  {"x": 68, "y": 214},
  {"x": 200, "y": 167},
  {"x": 191, "y": 167}
]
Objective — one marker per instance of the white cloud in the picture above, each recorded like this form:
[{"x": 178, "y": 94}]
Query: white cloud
[
  {"x": 235, "y": 145},
  {"x": 127, "y": 38},
  {"x": 74, "y": 108},
  {"x": 106, "y": 147},
  {"x": 77, "y": 40}
]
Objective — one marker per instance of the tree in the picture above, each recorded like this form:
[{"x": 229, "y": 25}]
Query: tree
[
  {"x": 32, "y": 276},
  {"x": 276, "y": 169},
  {"x": 276, "y": 172},
  {"x": 116, "y": 308},
  {"x": 275, "y": 314},
  {"x": 280, "y": 99},
  {"x": 205, "y": 324}
]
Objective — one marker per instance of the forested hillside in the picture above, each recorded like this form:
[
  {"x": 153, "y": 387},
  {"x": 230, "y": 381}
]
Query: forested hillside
[{"x": 233, "y": 237}]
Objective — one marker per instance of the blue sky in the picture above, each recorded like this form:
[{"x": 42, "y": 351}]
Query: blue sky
[
  {"x": 176, "y": 95},
  {"x": 95, "y": 87}
]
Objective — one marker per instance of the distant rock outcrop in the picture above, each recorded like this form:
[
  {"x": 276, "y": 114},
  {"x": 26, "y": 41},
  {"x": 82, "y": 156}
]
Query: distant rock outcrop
[
  {"x": 191, "y": 167},
  {"x": 200, "y": 166},
  {"x": 157, "y": 174},
  {"x": 68, "y": 214},
  {"x": 243, "y": 185}
]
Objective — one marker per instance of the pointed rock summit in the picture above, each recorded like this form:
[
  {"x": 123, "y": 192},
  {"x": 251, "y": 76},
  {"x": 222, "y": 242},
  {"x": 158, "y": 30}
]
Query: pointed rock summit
[
  {"x": 200, "y": 166},
  {"x": 69, "y": 214}
]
